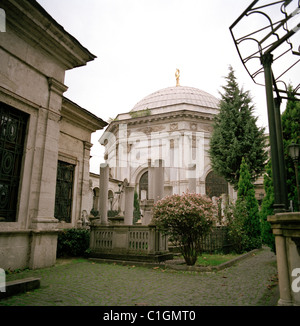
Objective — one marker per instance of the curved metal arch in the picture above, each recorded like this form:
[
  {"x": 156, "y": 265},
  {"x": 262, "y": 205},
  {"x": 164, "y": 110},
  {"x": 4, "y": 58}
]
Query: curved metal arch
[{"x": 275, "y": 28}]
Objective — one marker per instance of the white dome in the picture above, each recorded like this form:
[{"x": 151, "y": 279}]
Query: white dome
[{"x": 175, "y": 96}]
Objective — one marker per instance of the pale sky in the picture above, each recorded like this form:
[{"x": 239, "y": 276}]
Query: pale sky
[{"x": 140, "y": 43}]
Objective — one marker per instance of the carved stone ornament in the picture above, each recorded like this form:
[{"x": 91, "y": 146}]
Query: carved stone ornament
[
  {"x": 174, "y": 126},
  {"x": 193, "y": 126}
]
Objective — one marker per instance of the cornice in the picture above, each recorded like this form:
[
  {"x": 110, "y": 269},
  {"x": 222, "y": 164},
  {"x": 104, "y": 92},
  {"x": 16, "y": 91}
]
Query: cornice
[
  {"x": 162, "y": 117},
  {"x": 33, "y": 24},
  {"x": 80, "y": 116}
]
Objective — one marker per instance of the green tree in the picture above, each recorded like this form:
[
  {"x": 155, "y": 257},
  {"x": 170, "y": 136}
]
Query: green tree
[
  {"x": 267, "y": 209},
  {"x": 236, "y": 135},
  {"x": 245, "y": 225},
  {"x": 246, "y": 192},
  {"x": 290, "y": 119}
]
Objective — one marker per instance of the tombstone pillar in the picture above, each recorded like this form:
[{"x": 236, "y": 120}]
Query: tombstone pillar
[
  {"x": 158, "y": 180},
  {"x": 150, "y": 180},
  {"x": 103, "y": 192},
  {"x": 129, "y": 199},
  {"x": 191, "y": 178}
]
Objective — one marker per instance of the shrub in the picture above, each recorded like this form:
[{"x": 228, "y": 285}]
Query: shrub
[
  {"x": 250, "y": 218},
  {"x": 73, "y": 243},
  {"x": 236, "y": 215},
  {"x": 186, "y": 219},
  {"x": 112, "y": 213}
]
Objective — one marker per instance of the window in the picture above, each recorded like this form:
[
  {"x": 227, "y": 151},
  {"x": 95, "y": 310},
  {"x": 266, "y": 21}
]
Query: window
[
  {"x": 215, "y": 185},
  {"x": 13, "y": 125},
  {"x": 64, "y": 191}
]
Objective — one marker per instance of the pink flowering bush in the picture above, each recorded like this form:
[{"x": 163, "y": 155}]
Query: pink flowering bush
[{"x": 185, "y": 218}]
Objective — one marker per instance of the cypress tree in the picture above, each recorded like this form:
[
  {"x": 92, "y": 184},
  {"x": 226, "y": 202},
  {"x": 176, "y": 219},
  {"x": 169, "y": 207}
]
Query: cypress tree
[
  {"x": 136, "y": 210},
  {"x": 246, "y": 194},
  {"x": 236, "y": 135}
]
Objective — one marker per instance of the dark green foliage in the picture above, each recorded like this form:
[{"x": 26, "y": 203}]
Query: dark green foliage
[
  {"x": 246, "y": 193},
  {"x": 244, "y": 222},
  {"x": 236, "y": 135},
  {"x": 267, "y": 209},
  {"x": 291, "y": 134},
  {"x": 73, "y": 243},
  {"x": 136, "y": 211},
  {"x": 290, "y": 119},
  {"x": 94, "y": 212},
  {"x": 236, "y": 215},
  {"x": 112, "y": 213}
]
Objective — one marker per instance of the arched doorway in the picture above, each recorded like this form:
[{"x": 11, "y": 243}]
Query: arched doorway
[
  {"x": 143, "y": 186},
  {"x": 215, "y": 186}
]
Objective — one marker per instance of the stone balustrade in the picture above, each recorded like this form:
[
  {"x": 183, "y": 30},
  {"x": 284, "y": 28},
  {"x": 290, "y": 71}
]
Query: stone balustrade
[{"x": 128, "y": 242}]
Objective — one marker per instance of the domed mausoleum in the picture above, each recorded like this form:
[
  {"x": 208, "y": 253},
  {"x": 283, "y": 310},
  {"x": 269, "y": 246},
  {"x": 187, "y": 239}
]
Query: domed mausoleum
[{"x": 169, "y": 128}]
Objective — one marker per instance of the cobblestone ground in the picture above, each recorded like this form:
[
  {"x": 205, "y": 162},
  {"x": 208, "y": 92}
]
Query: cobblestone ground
[{"x": 80, "y": 282}]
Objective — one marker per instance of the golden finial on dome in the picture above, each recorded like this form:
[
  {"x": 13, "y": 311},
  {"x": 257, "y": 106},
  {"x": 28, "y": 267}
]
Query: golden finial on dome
[{"x": 177, "y": 75}]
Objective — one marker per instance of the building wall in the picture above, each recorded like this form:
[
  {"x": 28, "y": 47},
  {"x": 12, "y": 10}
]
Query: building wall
[{"x": 35, "y": 52}]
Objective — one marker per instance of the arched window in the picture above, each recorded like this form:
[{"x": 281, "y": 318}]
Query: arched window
[
  {"x": 143, "y": 186},
  {"x": 215, "y": 185}
]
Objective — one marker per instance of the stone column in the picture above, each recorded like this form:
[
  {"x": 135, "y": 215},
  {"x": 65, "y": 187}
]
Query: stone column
[
  {"x": 129, "y": 199},
  {"x": 191, "y": 174},
  {"x": 46, "y": 158},
  {"x": 158, "y": 180},
  {"x": 283, "y": 272},
  {"x": 44, "y": 224},
  {"x": 286, "y": 228},
  {"x": 103, "y": 192}
]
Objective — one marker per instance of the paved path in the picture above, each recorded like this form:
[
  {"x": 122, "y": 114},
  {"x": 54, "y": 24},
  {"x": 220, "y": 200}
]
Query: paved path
[{"x": 80, "y": 282}]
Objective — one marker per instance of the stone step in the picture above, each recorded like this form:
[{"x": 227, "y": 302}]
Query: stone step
[{"x": 20, "y": 286}]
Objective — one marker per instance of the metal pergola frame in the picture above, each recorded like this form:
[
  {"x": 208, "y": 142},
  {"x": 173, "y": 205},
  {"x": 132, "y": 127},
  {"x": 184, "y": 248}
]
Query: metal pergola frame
[{"x": 269, "y": 38}]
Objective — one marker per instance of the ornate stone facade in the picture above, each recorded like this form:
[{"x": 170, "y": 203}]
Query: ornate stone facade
[{"x": 172, "y": 125}]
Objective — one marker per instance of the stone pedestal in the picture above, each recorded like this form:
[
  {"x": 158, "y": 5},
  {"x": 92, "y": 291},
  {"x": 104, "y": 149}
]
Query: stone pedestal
[
  {"x": 146, "y": 207},
  {"x": 43, "y": 248},
  {"x": 286, "y": 228}
]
